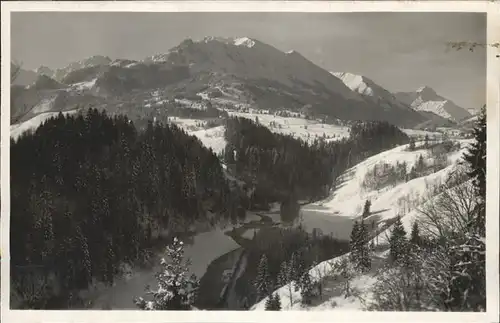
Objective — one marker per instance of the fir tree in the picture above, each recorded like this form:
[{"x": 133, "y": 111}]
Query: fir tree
[
  {"x": 398, "y": 241},
  {"x": 273, "y": 303},
  {"x": 426, "y": 141},
  {"x": 285, "y": 279},
  {"x": 468, "y": 283},
  {"x": 366, "y": 208},
  {"x": 415, "y": 239},
  {"x": 306, "y": 288},
  {"x": 277, "y": 302},
  {"x": 360, "y": 253},
  {"x": 476, "y": 159},
  {"x": 176, "y": 289},
  {"x": 269, "y": 303},
  {"x": 412, "y": 144},
  {"x": 364, "y": 249},
  {"x": 262, "y": 282},
  {"x": 354, "y": 243},
  {"x": 298, "y": 267}
]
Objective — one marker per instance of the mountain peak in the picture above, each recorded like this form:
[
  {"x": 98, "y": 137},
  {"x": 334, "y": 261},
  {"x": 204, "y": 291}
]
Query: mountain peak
[
  {"x": 426, "y": 90},
  {"x": 244, "y": 41},
  {"x": 426, "y": 99}
]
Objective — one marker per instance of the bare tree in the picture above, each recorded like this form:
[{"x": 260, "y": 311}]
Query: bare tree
[
  {"x": 452, "y": 211},
  {"x": 344, "y": 271}
]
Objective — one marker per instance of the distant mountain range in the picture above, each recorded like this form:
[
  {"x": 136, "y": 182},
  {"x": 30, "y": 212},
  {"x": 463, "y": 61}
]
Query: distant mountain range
[
  {"x": 244, "y": 71},
  {"x": 436, "y": 109},
  {"x": 426, "y": 99}
]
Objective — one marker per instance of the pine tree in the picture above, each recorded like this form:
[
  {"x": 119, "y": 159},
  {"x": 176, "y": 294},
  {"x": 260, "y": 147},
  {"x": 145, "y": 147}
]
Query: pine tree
[
  {"x": 415, "y": 239},
  {"x": 360, "y": 252},
  {"x": 298, "y": 267},
  {"x": 476, "y": 158},
  {"x": 398, "y": 241},
  {"x": 277, "y": 302},
  {"x": 426, "y": 141},
  {"x": 285, "y": 279},
  {"x": 412, "y": 144},
  {"x": 364, "y": 249},
  {"x": 270, "y": 303},
  {"x": 420, "y": 166},
  {"x": 273, "y": 303},
  {"x": 306, "y": 288},
  {"x": 176, "y": 290},
  {"x": 366, "y": 208},
  {"x": 262, "y": 282},
  {"x": 354, "y": 242},
  {"x": 468, "y": 283}
]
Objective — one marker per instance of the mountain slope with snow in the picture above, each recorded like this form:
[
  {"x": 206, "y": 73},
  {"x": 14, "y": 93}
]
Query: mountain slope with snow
[
  {"x": 377, "y": 94},
  {"x": 426, "y": 99},
  {"x": 32, "y": 124},
  {"x": 403, "y": 199},
  {"x": 263, "y": 77}
]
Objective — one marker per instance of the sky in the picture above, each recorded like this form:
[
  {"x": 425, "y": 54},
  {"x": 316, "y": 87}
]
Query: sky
[{"x": 399, "y": 51}]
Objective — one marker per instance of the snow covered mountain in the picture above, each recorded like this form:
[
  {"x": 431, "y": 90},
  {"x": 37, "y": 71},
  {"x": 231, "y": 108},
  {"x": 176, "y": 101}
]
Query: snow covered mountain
[
  {"x": 243, "y": 72},
  {"x": 375, "y": 93},
  {"x": 426, "y": 99},
  {"x": 387, "y": 100}
]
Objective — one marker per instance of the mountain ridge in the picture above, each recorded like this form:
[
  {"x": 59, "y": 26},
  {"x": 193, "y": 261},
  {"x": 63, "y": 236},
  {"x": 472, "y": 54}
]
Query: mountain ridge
[
  {"x": 263, "y": 77},
  {"x": 426, "y": 99}
]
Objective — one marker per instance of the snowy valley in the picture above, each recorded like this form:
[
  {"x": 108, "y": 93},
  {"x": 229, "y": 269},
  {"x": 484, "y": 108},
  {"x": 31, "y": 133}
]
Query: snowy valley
[{"x": 276, "y": 179}]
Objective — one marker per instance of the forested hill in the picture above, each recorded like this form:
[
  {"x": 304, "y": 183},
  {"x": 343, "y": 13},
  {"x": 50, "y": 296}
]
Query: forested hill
[
  {"x": 281, "y": 167},
  {"x": 89, "y": 192}
]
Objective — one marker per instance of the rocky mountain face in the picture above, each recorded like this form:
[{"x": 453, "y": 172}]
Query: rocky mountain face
[
  {"x": 240, "y": 72},
  {"x": 426, "y": 99},
  {"x": 381, "y": 97},
  {"x": 396, "y": 104}
]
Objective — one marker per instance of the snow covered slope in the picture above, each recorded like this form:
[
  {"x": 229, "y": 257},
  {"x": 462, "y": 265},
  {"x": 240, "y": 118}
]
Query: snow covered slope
[
  {"x": 426, "y": 99},
  {"x": 307, "y": 130},
  {"x": 368, "y": 88},
  {"x": 17, "y": 129},
  {"x": 300, "y": 128},
  {"x": 347, "y": 202},
  {"x": 212, "y": 138}
]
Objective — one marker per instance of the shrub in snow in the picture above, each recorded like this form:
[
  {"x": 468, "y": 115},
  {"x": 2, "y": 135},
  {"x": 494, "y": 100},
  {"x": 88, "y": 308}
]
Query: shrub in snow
[
  {"x": 398, "y": 288},
  {"x": 176, "y": 288}
]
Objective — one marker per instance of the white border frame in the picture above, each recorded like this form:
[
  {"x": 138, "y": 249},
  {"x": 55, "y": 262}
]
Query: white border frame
[{"x": 493, "y": 149}]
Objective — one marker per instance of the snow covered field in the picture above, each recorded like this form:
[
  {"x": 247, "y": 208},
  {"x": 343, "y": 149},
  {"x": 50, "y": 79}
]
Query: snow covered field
[
  {"x": 307, "y": 130},
  {"x": 212, "y": 138}
]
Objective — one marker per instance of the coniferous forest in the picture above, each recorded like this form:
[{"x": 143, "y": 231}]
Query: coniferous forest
[
  {"x": 90, "y": 192},
  {"x": 282, "y": 168}
]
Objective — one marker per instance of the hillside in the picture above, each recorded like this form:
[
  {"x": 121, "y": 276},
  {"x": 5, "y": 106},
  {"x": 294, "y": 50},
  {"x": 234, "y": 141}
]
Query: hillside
[{"x": 403, "y": 199}]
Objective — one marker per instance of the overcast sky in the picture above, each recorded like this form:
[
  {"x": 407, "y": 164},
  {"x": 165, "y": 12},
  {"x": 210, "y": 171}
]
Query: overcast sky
[{"x": 400, "y": 51}]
